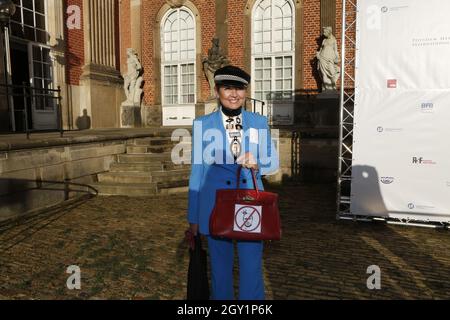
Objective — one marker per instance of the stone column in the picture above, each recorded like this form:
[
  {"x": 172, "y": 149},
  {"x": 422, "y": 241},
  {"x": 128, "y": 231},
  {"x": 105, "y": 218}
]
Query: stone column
[
  {"x": 328, "y": 14},
  {"x": 101, "y": 82}
]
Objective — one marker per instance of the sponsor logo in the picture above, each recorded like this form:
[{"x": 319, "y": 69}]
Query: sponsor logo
[
  {"x": 427, "y": 107},
  {"x": 413, "y": 206},
  {"x": 387, "y": 180},
  {"x": 421, "y": 160},
  {"x": 383, "y": 129},
  {"x": 392, "y": 84}
]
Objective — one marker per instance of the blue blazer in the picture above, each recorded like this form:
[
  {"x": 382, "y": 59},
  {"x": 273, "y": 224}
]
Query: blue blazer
[{"x": 213, "y": 165}]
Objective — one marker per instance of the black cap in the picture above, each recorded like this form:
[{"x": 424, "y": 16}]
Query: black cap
[{"x": 232, "y": 76}]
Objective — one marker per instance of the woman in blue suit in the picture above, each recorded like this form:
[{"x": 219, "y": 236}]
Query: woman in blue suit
[{"x": 221, "y": 142}]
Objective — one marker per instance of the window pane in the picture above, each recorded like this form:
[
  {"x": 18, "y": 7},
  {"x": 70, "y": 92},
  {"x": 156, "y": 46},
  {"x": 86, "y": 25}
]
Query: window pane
[
  {"x": 37, "y": 69},
  {"x": 287, "y": 46},
  {"x": 288, "y": 73},
  {"x": 288, "y": 84},
  {"x": 258, "y": 37},
  {"x": 40, "y": 21},
  {"x": 279, "y": 73},
  {"x": 277, "y": 47},
  {"x": 29, "y": 33},
  {"x": 28, "y": 18},
  {"x": 279, "y": 62},
  {"x": 279, "y": 85},
  {"x": 287, "y": 23},
  {"x": 287, "y": 35},
  {"x": 39, "y": 6},
  {"x": 288, "y": 61},
  {"x": 277, "y": 35}
]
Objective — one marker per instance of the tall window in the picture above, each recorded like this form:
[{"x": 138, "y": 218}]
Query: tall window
[
  {"x": 30, "y": 21},
  {"x": 29, "y": 28},
  {"x": 178, "y": 57},
  {"x": 273, "y": 49}
]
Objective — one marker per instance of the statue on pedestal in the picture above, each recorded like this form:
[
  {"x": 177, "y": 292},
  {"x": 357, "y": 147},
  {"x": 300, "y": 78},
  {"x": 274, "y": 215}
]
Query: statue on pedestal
[
  {"x": 133, "y": 81},
  {"x": 212, "y": 63},
  {"x": 328, "y": 61}
]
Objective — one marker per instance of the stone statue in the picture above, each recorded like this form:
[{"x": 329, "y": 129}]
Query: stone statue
[
  {"x": 130, "y": 110},
  {"x": 213, "y": 62},
  {"x": 328, "y": 60},
  {"x": 133, "y": 79}
]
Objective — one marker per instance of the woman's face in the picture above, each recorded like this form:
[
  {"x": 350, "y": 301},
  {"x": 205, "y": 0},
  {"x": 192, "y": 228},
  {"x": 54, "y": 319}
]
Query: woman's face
[{"x": 231, "y": 97}]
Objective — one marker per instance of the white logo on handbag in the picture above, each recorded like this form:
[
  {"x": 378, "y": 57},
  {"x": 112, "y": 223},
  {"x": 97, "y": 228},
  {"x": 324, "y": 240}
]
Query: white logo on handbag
[{"x": 247, "y": 219}]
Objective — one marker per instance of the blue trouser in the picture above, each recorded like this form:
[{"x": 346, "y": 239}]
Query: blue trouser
[{"x": 251, "y": 283}]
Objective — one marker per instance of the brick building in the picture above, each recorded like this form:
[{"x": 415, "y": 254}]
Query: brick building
[{"x": 81, "y": 45}]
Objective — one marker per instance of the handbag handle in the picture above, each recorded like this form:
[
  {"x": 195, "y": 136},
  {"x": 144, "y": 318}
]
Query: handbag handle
[{"x": 255, "y": 184}]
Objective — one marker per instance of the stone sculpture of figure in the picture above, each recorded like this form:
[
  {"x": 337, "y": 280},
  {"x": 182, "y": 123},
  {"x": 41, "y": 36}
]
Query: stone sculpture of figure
[
  {"x": 212, "y": 63},
  {"x": 133, "y": 79},
  {"x": 328, "y": 58}
]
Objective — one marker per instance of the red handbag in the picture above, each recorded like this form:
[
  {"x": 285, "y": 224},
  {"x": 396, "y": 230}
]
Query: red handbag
[{"x": 249, "y": 215}]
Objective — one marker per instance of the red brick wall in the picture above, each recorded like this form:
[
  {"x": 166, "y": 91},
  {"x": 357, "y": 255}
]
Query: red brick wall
[
  {"x": 236, "y": 32},
  {"x": 74, "y": 47},
  {"x": 207, "y": 9},
  {"x": 125, "y": 32},
  {"x": 311, "y": 42},
  {"x": 150, "y": 10}
]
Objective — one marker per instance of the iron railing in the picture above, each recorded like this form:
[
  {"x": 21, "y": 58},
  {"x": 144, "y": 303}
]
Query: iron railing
[{"x": 27, "y": 97}]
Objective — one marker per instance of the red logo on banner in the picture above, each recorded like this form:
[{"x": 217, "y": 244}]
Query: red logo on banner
[{"x": 392, "y": 84}]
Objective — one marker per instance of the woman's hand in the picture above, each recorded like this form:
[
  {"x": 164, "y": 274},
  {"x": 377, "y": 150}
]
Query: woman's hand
[
  {"x": 248, "y": 161},
  {"x": 190, "y": 235},
  {"x": 194, "y": 229}
]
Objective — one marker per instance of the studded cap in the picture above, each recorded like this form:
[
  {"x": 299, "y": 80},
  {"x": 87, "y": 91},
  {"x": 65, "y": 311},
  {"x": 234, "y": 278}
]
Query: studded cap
[{"x": 232, "y": 76}]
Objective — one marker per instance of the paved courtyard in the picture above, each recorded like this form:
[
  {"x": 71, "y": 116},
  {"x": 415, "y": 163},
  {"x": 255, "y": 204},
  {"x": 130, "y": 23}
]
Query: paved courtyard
[{"x": 132, "y": 248}]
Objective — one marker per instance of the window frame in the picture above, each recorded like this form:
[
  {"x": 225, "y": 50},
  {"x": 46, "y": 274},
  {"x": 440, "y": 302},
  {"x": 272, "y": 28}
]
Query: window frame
[
  {"x": 31, "y": 45},
  {"x": 178, "y": 63},
  {"x": 273, "y": 55},
  {"x": 20, "y": 8}
]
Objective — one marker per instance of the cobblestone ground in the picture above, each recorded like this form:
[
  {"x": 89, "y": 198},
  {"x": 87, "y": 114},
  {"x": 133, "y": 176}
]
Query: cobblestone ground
[{"x": 132, "y": 248}]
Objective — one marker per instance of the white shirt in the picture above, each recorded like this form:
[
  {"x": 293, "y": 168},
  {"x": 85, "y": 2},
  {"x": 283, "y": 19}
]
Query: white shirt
[{"x": 225, "y": 123}]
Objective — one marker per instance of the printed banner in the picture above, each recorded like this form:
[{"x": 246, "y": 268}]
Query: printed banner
[{"x": 401, "y": 166}]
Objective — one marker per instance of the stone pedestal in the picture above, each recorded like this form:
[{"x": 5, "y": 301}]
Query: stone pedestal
[
  {"x": 151, "y": 116},
  {"x": 326, "y": 110},
  {"x": 130, "y": 116}
]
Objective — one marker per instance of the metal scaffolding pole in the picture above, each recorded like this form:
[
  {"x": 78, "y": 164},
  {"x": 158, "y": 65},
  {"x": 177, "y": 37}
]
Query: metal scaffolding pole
[{"x": 348, "y": 44}]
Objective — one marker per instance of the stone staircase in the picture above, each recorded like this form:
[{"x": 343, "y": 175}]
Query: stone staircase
[{"x": 145, "y": 170}]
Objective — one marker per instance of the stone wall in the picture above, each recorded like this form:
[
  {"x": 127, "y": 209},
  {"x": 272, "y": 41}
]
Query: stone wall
[{"x": 27, "y": 176}]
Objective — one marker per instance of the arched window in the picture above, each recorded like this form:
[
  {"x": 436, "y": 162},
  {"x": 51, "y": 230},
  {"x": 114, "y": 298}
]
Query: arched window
[
  {"x": 273, "y": 48},
  {"x": 178, "y": 57}
]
